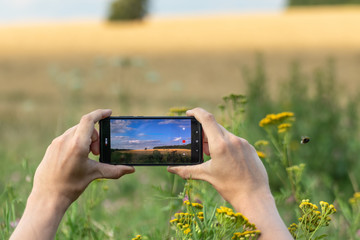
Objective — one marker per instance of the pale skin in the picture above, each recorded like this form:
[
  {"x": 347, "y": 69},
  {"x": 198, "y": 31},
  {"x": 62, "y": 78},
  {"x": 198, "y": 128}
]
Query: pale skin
[
  {"x": 62, "y": 176},
  {"x": 234, "y": 170},
  {"x": 238, "y": 174}
]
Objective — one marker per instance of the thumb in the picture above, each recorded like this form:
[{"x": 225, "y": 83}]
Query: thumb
[
  {"x": 198, "y": 172},
  {"x": 105, "y": 170}
]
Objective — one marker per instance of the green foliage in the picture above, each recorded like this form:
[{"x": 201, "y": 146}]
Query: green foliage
[
  {"x": 142, "y": 203},
  {"x": 127, "y": 10},
  {"x": 197, "y": 222},
  {"x": 312, "y": 220},
  {"x": 321, "y": 2}
]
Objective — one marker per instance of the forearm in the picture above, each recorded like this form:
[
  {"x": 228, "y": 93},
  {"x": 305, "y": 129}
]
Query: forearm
[
  {"x": 261, "y": 210},
  {"x": 41, "y": 218}
]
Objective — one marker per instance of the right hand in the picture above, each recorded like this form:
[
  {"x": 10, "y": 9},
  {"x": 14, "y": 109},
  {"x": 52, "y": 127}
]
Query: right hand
[{"x": 234, "y": 170}]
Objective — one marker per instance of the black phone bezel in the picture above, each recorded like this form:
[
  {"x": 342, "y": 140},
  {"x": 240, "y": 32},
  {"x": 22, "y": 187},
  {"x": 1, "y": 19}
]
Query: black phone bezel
[{"x": 196, "y": 140}]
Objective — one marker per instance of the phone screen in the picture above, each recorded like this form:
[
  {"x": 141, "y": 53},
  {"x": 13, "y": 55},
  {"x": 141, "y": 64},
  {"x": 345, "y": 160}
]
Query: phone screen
[{"x": 153, "y": 141}]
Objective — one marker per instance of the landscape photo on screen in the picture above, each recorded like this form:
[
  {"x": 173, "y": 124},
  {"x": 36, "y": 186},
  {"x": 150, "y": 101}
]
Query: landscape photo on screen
[{"x": 150, "y": 141}]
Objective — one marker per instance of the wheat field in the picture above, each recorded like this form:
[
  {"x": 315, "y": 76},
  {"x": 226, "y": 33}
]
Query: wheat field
[
  {"x": 322, "y": 28},
  {"x": 181, "y": 61}
]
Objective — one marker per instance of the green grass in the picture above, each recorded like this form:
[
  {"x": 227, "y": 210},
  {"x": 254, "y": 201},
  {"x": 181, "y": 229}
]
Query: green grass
[{"x": 144, "y": 202}]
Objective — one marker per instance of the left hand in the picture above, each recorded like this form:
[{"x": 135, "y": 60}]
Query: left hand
[{"x": 66, "y": 169}]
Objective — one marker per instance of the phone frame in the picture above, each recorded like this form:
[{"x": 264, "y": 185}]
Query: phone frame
[{"x": 196, "y": 140}]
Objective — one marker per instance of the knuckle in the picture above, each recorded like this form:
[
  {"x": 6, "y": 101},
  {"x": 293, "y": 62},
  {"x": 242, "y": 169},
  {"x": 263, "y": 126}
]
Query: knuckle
[
  {"x": 58, "y": 141},
  {"x": 208, "y": 117},
  {"x": 243, "y": 143},
  {"x": 222, "y": 146},
  {"x": 239, "y": 141},
  {"x": 85, "y": 118},
  {"x": 77, "y": 145},
  {"x": 197, "y": 109}
]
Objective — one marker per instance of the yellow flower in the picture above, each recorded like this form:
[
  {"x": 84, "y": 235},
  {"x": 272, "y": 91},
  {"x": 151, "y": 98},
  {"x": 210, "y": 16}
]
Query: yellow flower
[
  {"x": 284, "y": 127},
  {"x": 246, "y": 234},
  {"x": 261, "y": 154},
  {"x": 187, "y": 231},
  {"x": 196, "y": 205},
  {"x": 355, "y": 199},
  {"x": 276, "y": 118},
  {"x": 311, "y": 219},
  {"x": 261, "y": 143},
  {"x": 138, "y": 237},
  {"x": 174, "y": 220}
]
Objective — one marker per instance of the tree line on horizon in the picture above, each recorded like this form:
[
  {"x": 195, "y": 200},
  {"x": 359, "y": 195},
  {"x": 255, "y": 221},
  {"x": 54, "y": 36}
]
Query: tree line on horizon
[
  {"x": 132, "y": 10},
  {"x": 321, "y": 2}
]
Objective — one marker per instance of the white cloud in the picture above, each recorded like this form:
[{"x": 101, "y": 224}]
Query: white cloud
[
  {"x": 167, "y": 121},
  {"x": 119, "y": 126}
]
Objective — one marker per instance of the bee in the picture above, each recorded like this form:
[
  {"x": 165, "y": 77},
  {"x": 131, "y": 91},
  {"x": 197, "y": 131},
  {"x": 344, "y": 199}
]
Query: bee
[{"x": 304, "y": 140}]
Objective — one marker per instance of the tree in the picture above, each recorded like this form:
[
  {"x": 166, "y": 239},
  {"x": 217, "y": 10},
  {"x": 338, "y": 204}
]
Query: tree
[
  {"x": 127, "y": 10},
  {"x": 321, "y": 2}
]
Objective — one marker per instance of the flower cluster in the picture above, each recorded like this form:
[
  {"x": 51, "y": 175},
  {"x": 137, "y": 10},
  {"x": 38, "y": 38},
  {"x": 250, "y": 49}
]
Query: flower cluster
[
  {"x": 184, "y": 221},
  {"x": 261, "y": 154},
  {"x": 292, "y": 229},
  {"x": 178, "y": 111},
  {"x": 275, "y": 119},
  {"x": 312, "y": 219},
  {"x": 138, "y": 237},
  {"x": 223, "y": 224},
  {"x": 284, "y": 127},
  {"x": 235, "y": 98},
  {"x": 195, "y": 205},
  {"x": 228, "y": 219},
  {"x": 355, "y": 200},
  {"x": 247, "y": 235},
  {"x": 259, "y": 145}
]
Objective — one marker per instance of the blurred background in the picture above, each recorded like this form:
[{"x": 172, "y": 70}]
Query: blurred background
[{"x": 62, "y": 59}]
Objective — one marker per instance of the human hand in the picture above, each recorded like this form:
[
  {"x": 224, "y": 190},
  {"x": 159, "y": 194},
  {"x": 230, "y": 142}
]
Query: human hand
[
  {"x": 238, "y": 174},
  {"x": 66, "y": 169},
  {"x": 62, "y": 176},
  {"x": 234, "y": 170}
]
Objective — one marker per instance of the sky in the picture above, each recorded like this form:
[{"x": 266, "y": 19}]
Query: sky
[
  {"x": 141, "y": 134},
  {"x": 20, "y": 11}
]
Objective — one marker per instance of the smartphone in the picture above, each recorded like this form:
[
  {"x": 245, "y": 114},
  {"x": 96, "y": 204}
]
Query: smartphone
[{"x": 151, "y": 141}]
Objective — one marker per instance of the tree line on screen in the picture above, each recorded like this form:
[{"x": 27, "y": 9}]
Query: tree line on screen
[
  {"x": 187, "y": 146},
  {"x": 130, "y": 10}
]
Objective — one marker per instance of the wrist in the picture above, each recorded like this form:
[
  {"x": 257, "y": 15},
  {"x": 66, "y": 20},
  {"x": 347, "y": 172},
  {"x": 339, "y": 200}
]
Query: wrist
[
  {"x": 261, "y": 210},
  {"x": 246, "y": 201},
  {"x": 52, "y": 202},
  {"x": 41, "y": 218}
]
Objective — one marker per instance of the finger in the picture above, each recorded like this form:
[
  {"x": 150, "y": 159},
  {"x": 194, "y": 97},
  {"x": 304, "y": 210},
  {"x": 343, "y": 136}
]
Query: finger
[
  {"x": 198, "y": 172},
  {"x": 104, "y": 170},
  {"x": 208, "y": 122},
  {"x": 95, "y": 143},
  {"x": 87, "y": 123},
  {"x": 206, "y": 149}
]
